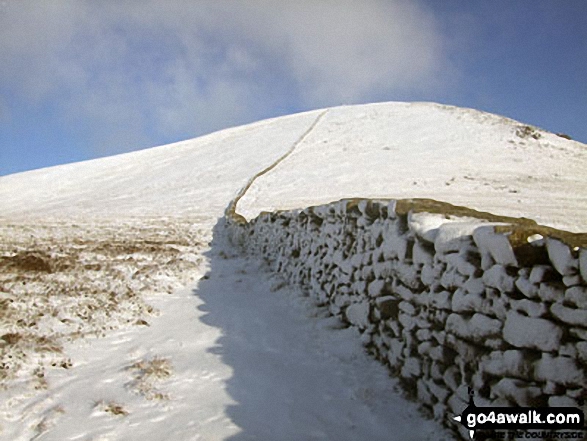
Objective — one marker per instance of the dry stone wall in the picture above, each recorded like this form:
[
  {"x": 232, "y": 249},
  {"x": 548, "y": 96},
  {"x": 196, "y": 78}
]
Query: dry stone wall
[{"x": 446, "y": 301}]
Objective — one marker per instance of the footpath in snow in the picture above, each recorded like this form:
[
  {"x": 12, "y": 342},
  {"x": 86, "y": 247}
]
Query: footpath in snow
[{"x": 239, "y": 356}]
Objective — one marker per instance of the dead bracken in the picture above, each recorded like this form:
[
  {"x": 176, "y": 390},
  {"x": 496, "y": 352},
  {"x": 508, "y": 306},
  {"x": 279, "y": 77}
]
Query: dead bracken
[
  {"x": 60, "y": 282},
  {"x": 112, "y": 408},
  {"x": 148, "y": 374}
]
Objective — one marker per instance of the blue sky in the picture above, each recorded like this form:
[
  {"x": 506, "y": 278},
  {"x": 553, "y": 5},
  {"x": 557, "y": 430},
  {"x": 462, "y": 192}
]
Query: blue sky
[{"x": 81, "y": 79}]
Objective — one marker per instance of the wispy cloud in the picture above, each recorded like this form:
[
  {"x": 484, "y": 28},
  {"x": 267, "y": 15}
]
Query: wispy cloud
[{"x": 126, "y": 72}]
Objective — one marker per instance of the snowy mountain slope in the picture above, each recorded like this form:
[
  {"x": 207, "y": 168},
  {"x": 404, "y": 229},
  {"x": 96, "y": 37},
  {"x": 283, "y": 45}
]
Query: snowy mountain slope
[
  {"x": 190, "y": 178},
  {"x": 409, "y": 150},
  {"x": 396, "y": 150}
]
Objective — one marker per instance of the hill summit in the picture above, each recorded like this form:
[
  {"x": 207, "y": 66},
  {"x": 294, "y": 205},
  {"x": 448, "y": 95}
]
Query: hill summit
[{"x": 388, "y": 150}]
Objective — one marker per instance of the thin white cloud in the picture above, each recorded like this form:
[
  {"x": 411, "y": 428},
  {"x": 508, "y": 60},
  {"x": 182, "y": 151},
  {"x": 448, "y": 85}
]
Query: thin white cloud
[
  {"x": 127, "y": 71},
  {"x": 349, "y": 50}
]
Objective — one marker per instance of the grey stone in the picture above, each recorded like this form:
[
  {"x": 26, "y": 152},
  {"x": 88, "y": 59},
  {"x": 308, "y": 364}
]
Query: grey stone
[
  {"x": 562, "y": 370},
  {"x": 528, "y": 332}
]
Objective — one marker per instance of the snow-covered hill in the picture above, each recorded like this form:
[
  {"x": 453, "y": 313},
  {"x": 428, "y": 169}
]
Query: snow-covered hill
[
  {"x": 396, "y": 150},
  {"x": 87, "y": 249},
  {"x": 188, "y": 179}
]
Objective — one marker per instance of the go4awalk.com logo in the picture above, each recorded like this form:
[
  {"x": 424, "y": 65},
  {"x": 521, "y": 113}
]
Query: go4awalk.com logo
[{"x": 549, "y": 419}]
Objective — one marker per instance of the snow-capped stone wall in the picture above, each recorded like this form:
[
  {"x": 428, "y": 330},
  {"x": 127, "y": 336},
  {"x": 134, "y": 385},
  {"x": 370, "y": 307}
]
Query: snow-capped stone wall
[{"x": 446, "y": 301}]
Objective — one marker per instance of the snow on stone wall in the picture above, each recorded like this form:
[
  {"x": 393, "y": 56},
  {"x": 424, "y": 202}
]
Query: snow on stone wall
[{"x": 446, "y": 302}]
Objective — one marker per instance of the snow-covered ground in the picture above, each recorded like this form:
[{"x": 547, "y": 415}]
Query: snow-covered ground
[
  {"x": 59, "y": 282},
  {"x": 194, "y": 178},
  {"x": 393, "y": 150},
  {"x": 236, "y": 356},
  {"x": 421, "y": 150},
  {"x": 101, "y": 248}
]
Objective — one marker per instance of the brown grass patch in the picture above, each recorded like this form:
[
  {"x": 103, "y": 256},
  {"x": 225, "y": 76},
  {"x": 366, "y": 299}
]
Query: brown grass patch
[
  {"x": 112, "y": 408},
  {"x": 147, "y": 374},
  {"x": 60, "y": 282}
]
